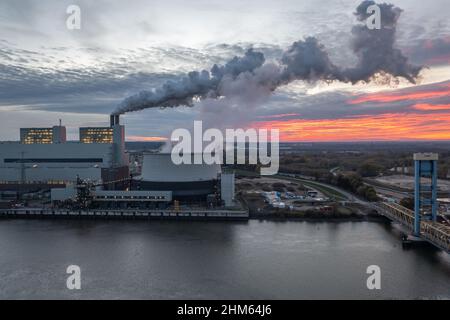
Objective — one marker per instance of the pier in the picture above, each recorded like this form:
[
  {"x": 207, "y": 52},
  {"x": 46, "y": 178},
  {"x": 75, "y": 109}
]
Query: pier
[{"x": 127, "y": 214}]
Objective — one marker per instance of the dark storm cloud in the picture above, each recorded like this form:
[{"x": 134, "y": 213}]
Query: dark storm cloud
[{"x": 431, "y": 51}]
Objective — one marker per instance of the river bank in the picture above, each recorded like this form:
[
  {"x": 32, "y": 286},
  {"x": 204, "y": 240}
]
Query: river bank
[{"x": 321, "y": 217}]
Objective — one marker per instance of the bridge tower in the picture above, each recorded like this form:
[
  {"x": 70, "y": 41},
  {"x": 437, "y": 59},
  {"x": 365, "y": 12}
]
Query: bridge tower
[{"x": 425, "y": 188}]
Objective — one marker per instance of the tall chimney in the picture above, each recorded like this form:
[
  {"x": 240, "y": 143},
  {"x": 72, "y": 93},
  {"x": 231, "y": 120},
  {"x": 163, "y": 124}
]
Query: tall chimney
[
  {"x": 111, "y": 120},
  {"x": 116, "y": 119}
]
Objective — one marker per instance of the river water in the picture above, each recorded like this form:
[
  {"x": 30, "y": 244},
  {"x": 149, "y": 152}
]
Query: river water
[{"x": 215, "y": 260}]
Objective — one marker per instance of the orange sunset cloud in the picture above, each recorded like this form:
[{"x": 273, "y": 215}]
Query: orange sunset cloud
[
  {"x": 394, "y": 126},
  {"x": 431, "y": 107},
  {"x": 400, "y": 96}
]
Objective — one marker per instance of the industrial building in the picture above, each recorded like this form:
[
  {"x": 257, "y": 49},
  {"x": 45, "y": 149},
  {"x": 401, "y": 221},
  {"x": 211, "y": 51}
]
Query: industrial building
[
  {"x": 44, "y": 156},
  {"x": 93, "y": 172},
  {"x": 96, "y": 135},
  {"x": 161, "y": 183},
  {"x": 114, "y": 199},
  {"x": 56, "y": 134},
  {"x": 187, "y": 182}
]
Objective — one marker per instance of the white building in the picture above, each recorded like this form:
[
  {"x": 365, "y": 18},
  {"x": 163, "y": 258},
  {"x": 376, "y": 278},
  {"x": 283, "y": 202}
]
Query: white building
[{"x": 187, "y": 182}]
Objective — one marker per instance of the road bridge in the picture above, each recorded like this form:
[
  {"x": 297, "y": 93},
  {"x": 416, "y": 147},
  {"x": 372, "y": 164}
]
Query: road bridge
[{"x": 435, "y": 233}]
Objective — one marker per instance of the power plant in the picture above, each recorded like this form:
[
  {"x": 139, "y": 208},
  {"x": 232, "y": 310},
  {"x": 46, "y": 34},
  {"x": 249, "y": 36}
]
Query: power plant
[
  {"x": 94, "y": 173},
  {"x": 44, "y": 156}
]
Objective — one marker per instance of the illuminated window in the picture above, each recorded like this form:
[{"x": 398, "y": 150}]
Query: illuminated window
[
  {"x": 96, "y": 135},
  {"x": 36, "y": 135}
]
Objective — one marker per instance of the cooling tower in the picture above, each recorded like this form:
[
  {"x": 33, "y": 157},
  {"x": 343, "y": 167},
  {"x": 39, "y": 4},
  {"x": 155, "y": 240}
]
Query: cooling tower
[{"x": 160, "y": 173}]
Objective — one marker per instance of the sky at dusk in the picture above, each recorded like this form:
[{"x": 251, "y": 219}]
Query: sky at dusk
[{"x": 48, "y": 72}]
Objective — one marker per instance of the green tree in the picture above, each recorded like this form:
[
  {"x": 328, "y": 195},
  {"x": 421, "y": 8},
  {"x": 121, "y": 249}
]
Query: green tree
[
  {"x": 407, "y": 202},
  {"x": 369, "y": 169}
]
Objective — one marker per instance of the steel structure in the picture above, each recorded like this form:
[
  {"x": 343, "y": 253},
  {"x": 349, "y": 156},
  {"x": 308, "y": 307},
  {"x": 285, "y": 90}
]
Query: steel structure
[
  {"x": 425, "y": 189},
  {"x": 433, "y": 232}
]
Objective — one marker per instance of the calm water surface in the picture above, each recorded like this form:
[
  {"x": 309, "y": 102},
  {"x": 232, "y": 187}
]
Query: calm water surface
[{"x": 214, "y": 260}]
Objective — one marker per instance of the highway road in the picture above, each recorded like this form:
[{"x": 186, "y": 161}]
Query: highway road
[
  {"x": 389, "y": 192},
  {"x": 328, "y": 189}
]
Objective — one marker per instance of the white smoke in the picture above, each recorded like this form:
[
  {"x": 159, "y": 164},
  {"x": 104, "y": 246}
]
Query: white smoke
[{"x": 195, "y": 85}]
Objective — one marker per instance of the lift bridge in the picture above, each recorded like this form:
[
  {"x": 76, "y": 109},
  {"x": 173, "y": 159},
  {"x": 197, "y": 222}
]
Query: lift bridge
[{"x": 422, "y": 222}]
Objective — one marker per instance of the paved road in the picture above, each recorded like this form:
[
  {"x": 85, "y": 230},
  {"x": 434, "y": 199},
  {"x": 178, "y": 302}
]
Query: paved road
[
  {"x": 349, "y": 196},
  {"x": 390, "y": 192},
  {"x": 345, "y": 194}
]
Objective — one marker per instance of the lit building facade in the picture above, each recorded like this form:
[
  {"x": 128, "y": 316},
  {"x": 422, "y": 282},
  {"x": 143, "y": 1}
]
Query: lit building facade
[
  {"x": 97, "y": 135},
  {"x": 57, "y": 134},
  {"x": 44, "y": 156}
]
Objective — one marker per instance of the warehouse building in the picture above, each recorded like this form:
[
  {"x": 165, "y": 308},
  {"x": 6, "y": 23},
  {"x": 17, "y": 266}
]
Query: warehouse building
[{"x": 113, "y": 199}]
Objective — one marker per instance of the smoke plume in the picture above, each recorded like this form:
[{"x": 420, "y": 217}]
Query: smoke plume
[
  {"x": 307, "y": 60},
  {"x": 195, "y": 85}
]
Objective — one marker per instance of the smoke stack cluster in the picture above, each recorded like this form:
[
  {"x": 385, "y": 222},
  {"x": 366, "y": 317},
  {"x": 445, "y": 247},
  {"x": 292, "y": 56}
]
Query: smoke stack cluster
[
  {"x": 114, "y": 120},
  {"x": 306, "y": 60}
]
